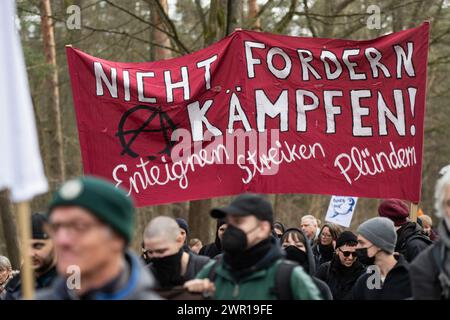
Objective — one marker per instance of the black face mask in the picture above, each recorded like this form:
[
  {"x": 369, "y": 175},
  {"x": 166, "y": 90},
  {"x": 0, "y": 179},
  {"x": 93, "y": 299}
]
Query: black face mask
[
  {"x": 362, "y": 256},
  {"x": 168, "y": 270},
  {"x": 295, "y": 254},
  {"x": 234, "y": 240}
]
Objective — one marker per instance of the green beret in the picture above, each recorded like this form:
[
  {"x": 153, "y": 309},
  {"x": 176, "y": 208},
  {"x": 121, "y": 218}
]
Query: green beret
[{"x": 108, "y": 203}]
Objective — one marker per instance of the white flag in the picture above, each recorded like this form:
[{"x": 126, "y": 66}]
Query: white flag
[
  {"x": 21, "y": 168},
  {"x": 340, "y": 210}
]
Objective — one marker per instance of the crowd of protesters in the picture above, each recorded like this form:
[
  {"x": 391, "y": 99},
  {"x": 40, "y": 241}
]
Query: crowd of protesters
[{"x": 89, "y": 224}]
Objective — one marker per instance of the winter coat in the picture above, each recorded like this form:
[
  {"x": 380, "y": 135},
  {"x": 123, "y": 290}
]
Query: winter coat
[
  {"x": 259, "y": 281},
  {"x": 430, "y": 270},
  {"x": 213, "y": 249},
  {"x": 411, "y": 241},
  {"x": 195, "y": 264},
  {"x": 339, "y": 278},
  {"x": 320, "y": 255},
  {"x": 134, "y": 283},
  {"x": 13, "y": 290},
  {"x": 396, "y": 285}
]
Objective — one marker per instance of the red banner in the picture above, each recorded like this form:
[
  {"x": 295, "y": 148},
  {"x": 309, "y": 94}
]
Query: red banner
[{"x": 258, "y": 112}]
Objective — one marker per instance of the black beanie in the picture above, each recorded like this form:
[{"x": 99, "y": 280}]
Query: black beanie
[{"x": 38, "y": 220}]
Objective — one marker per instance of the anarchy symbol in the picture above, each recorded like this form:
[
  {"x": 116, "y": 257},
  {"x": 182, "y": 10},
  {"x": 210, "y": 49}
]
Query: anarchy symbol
[{"x": 166, "y": 126}]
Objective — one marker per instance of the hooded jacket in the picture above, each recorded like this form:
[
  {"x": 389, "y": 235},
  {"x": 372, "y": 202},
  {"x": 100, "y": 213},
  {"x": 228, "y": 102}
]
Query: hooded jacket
[
  {"x": 411, "y": 241},
  {"x": 134, "y": 283},
  {"x": 310, "y": 268},
  {"x": 213, "y": 249},
  {"x": 257, "y": 282},
  {"x": 340, "y": 278}
]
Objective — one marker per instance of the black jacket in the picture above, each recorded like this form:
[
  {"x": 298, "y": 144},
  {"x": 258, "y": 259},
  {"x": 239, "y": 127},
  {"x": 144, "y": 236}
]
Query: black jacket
[
  {"x": 134, "y": 283},
  {"x": 411, "y": 241},
  {"x": 195, "y": 264},
  {"x": 322, "y": 254},
  {"x": 396, "y": 286},
  {"x": 310, "y": 268},
  {"x": 427, "y": 267},
  {"x": 14, "y": 287},
  {"x": 213, "y": 249},
  {"x": 339, "y": 278}
]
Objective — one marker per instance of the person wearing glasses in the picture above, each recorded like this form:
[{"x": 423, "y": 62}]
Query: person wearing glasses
[
  {"x": 430, "y": 270},
  {"x": 323, "y": 250},
  {"x": 91, "y": 224},
  {"x": 344, "y": 268}
]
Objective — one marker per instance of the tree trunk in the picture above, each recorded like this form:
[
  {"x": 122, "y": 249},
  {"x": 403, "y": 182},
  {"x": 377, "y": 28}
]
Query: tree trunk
[
  {"x": 200, "y": 222},
  {"x": 9, "y": 230},
  {"x": 159, "y": 37},
  {"x": 55, "y": 163},
  {"x": 233, "y": 15}
]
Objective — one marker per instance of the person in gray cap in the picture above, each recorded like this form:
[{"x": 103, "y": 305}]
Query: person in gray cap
[
  {"x": 252, "y": 265},
  {"x": 387, "y": 276}
]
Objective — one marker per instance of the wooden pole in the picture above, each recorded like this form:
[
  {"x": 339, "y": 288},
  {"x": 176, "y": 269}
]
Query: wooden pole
[
  {"x": 10, "y": 229},
  {"x": 24, "y": 220},
  {"x": 413, "y": 212}
]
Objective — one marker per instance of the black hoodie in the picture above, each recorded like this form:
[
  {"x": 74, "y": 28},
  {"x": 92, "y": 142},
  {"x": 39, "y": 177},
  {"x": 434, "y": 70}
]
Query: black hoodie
[
  {"x": 340, "y": 278},
  {"x": 310, "y": 268},
  {"x": 213, "y": 249}
]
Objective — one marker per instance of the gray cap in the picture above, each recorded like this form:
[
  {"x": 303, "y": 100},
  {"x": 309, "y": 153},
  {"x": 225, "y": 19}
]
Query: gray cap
[{"x": 381, "y": 232}]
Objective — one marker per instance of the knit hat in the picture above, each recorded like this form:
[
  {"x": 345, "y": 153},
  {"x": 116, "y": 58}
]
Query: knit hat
[
  {"x": 109, "y": 204},
  {"x": 38, "y": 220},
  {"x": 394, "y": 209},
  {"x": 346, "y": 237},
  {"x": 381, "y": 232},
  {"x": 183, "y": 224}
]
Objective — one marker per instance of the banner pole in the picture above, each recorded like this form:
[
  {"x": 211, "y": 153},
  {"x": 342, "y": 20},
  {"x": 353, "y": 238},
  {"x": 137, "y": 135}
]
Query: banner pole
[
  {"x": 413, "y": 212},
  {"x": 24, "y": 218}
]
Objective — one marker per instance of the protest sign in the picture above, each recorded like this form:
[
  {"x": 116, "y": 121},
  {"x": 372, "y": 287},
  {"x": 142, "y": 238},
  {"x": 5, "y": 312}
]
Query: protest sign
[{"x": 258, "y": 112}]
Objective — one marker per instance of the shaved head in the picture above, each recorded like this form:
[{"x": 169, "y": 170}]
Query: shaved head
[{"x": 162, "y": 227}]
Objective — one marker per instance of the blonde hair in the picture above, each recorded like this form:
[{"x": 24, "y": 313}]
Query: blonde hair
[
  {"x": 426, "y": 219},
  {"x": 194, "y": 241}
]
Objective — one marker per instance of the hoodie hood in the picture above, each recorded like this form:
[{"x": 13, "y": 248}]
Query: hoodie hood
[
  {"x": 311, "y": 261},
  {"x": 406, "y": 231},
  {"x": 217, "y": 241}
]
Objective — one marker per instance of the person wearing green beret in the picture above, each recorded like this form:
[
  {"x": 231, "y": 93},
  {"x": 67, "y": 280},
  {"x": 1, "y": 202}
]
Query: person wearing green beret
[{"x": 91, "y": 224}]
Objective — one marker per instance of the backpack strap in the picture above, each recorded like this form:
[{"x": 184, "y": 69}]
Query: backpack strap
[{"x": 282, "y": 287}]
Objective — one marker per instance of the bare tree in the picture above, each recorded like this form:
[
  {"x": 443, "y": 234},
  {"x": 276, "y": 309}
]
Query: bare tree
[{"x": 54, "y": 136}]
